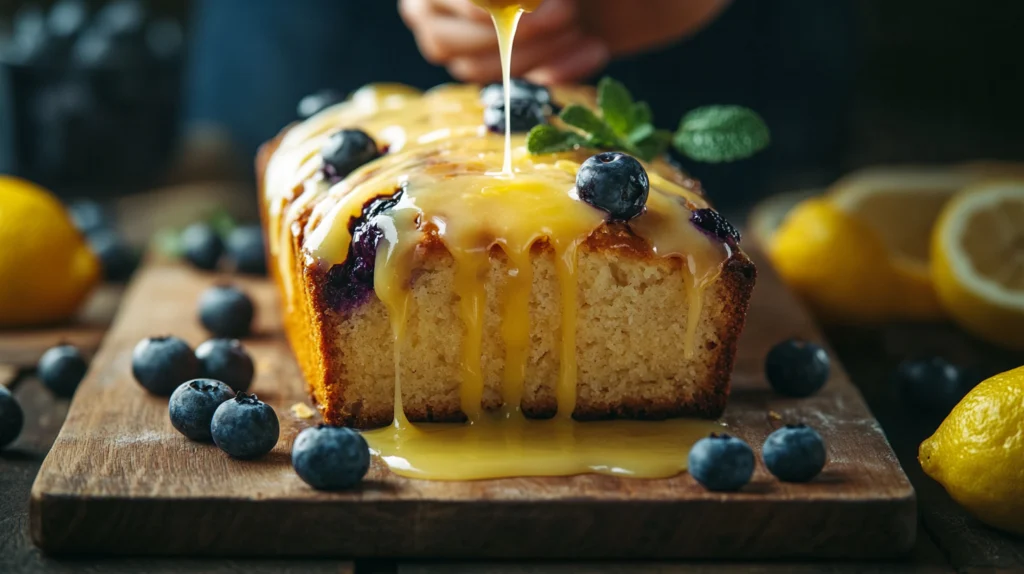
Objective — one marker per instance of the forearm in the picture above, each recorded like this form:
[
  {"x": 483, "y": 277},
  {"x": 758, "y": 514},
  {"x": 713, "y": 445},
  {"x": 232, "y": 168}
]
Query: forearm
[{"x": 631, "y": 26}]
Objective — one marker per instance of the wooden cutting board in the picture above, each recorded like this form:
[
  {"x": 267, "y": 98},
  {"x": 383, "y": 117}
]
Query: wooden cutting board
[{"x": 121, "y": 480}]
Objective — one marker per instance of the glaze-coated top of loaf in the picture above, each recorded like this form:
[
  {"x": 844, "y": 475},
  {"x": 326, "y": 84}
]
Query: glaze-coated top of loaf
[{"x": 441, "y": 156}]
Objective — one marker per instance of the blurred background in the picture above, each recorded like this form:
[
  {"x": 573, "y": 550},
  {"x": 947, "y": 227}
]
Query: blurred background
[{"x": 125, "y": 96}]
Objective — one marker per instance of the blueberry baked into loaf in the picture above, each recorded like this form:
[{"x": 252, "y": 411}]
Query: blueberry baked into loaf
[{"x": 585, "y": 283}]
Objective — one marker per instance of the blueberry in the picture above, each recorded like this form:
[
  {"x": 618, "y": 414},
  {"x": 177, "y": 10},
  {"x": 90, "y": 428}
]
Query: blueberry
[
  {"x": 794, "y": 453},
  {"x": 61, "y": 368},
  {"x": 226, "y": 360},
  {"x": 330, "y": 458},
  {"x": 318, "y": 101},
  {"x": 192, "y": 406},
  {"x": 67, "y": 18},
  {"x": 346, "y": 150},
  {"x": 245, "y": 427},
  {"x": 87, "y": 216},
  {"x": 721, "y": 462},
  {"x": 712, "y": 223},
  {"x": 201, "y": 246},
  {"x": 226, "y": 312},
  {"x": 525, "y": 115},
  {"x": 796, "y": 368},
  {"x": 160, "y": 364},
  {"x": 932, "y": 385},
  {"x": 245, "y": 248},
  {"x": 95, "y": 48},
  {"x": 121, "y": 18},
  {"x": 30, "y": 42},
  {"x": 164, "y": 38},
  {"x": 614, "y": 182},
  {"x": 11, "y": 417},
  {"x": 350, "y": 284},
  {"x": 518, "y": 90},
  {"x": 117, "y": 258}
]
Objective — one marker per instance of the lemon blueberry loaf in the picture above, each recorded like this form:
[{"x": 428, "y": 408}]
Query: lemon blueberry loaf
[{"x": 412, "y": 271}]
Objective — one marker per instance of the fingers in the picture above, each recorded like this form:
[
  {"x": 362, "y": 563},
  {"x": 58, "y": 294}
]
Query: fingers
[
  {"x": 463, "y": 9},
  {"x": 526, "y": 56},
  {"x": 550, "y": 46},
  {"x": 443, "y": 34},
  {"x": 551, "y": 17},
  {"x": 584, "y": 60}
]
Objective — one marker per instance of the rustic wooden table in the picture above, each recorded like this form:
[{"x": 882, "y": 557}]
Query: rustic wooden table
[{"x": 949, "y": 540}]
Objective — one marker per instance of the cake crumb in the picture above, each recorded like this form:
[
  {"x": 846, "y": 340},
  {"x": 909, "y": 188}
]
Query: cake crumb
[{"x": 303, "y": 411}]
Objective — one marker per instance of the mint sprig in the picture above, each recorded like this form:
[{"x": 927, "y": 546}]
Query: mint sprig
[{"x": 709, "y": 134}]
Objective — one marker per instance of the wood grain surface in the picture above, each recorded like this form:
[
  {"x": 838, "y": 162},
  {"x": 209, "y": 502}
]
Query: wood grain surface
[{"x": 120, "y": 480}]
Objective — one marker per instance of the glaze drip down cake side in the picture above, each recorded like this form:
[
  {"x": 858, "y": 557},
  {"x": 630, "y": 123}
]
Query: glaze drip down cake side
[{"x": 425, "y": 270}]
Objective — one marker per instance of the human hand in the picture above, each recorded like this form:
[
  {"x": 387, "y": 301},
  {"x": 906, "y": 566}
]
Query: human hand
[{"x": 551, "y": 44}]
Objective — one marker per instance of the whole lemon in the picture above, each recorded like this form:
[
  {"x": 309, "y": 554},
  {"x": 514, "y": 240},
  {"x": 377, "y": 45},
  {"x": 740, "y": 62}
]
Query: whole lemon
[
  {"x": 977, "y": 453},
  {"x": 46, "y": 268}
]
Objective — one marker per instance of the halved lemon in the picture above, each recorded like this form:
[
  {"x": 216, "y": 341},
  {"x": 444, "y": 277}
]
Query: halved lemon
[
  {"x": 977, "y": 266},
  {"x": 901, "y": 205}
]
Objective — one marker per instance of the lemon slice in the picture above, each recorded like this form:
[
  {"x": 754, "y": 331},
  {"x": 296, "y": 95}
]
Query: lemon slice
[
  {"x": 901, "y": 205},
  {"x": 978, "y": 260}
]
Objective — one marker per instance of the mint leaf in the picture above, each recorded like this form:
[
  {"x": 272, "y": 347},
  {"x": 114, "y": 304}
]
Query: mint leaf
[
  {"x": 721, "y": 133},
  {"x": 640, "y": 133},
  {"x": 600, "y": 134},
  {"x": 641, "y": 114},
  {"x": 653, "y": 145},
  {"x": 616, "y": 105},
  {"x": 549, "y": 139}
]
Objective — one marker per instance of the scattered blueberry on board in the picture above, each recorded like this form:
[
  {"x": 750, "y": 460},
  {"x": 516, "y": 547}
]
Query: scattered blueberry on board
[
  {"x": 797, "y": 368},
  {"x": 226, "y": 360},
  {"x": 226, "y": 312},
  {"x": 932, "y": 385},
  {"x": 525, "y": 115},
  {"x": 317, "y": 102},
  {"x": 87, "y": 216},
  {"x": 202, "y": 246},
  {"x": 721, "y": 463},
  {"x": 11, "y": 417},
  {"x": 330, "y": 457},
  {"x": 794, "y": 453},
  {"x": 61, "y": 369},
  {"x": 245, "y": 248},
  {"x": 117, "y": 258},
  {"x": 192, "y": 405},
  {"x": 614, "y": 182},
  {"x": 347, "y": 150},
  {"x": 245, "y": 427},
  {"x": 160, "y": 364}
]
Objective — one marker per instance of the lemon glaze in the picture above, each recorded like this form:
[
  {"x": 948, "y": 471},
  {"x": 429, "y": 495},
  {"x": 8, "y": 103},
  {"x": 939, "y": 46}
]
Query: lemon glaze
[{"x": 476, "y": 190}]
